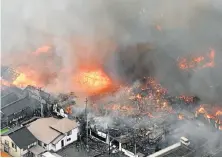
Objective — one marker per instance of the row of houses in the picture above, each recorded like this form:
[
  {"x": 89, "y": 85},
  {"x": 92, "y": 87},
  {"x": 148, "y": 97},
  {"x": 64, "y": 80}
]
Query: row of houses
[
  {"x": 18, "y": 104},
  {"x": 30, "y": 130},
  {"x": 40, "y": 136}
]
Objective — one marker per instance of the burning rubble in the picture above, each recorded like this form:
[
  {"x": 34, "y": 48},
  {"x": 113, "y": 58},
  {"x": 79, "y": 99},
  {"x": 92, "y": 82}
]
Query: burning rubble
[
  {"x": 212, "y": 113},
  {"x": 195, "y": 63}
]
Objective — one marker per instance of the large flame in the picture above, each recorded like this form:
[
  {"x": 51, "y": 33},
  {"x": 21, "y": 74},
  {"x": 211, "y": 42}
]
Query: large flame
[
  {"x": 23, "y": 80},
  {"x": 93, "y": 81},
  {"x": 27, "y": 77},
  {"x": 35, "y": 73}
]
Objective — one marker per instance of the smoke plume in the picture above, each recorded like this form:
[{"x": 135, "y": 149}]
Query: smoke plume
[{"x": 129, "y": 39}]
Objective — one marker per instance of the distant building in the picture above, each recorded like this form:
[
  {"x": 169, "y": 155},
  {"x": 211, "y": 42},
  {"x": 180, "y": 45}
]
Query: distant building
[
  {"x": 17, "y": 111},
  {"x": 9, "y": 98},
  {"x": 18, "y": 142},
  {"x": 54, "y": 134},
  {"x": 18, "y": 105}
]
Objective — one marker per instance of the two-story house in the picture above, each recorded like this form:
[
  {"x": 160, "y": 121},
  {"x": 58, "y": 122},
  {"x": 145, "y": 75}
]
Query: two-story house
[
  {"x": 18, "y": 142},
  {"x": 54, "y": 134}
]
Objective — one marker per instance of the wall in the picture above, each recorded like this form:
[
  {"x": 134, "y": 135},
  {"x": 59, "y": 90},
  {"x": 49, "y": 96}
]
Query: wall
[
  {"x": 58, "y": 146},
  {"x": 128, "y": 153},
  {"x": 12, "y": 151}
]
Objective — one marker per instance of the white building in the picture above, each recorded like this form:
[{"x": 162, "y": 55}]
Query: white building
[{"x": 54, "y": 134}]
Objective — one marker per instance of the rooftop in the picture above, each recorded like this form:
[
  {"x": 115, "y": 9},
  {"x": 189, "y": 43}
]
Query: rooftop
[
  {"x": 179, "y": 152},
  {"x": 8, "y": 98},
  {"x": 64, "y": 125},
  {"x": 22, "y": 137},
  {"x": 19, "y": 105},
  {"x": 48, "y": 129}
]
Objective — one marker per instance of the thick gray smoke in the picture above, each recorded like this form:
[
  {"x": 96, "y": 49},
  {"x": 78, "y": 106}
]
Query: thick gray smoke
[{"x": 129, "y": 38}]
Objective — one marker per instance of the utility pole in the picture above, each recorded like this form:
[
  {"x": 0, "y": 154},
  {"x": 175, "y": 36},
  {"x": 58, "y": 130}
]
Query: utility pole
[
  {"x": 40, "y": 98},
  {"x": 109, "y": 140},
  {"x": 86, "y": 115},
  {"x": 134, "y": 143}
]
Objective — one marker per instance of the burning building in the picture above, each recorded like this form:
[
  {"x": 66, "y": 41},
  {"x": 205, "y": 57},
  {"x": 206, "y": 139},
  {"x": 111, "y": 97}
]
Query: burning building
[{"x": 132, "y": 62}]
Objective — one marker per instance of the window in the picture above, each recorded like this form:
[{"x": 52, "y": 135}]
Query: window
[
  {"x": 69, "y": 133},
  {"x": 6, "y": 142},
  {"x": 68, "y": 139},
  {"x": 13, "y": 145}
]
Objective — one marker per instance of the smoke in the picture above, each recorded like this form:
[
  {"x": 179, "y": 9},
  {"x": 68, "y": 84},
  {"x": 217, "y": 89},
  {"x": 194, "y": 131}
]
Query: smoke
[
  {"x": 204, "y": 138},
  {"x": 129, "y": 39}
]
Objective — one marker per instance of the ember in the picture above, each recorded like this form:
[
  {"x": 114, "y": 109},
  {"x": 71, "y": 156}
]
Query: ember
[
  {"x": 180, "y": 116},
  {"x": 209, "y": 113},
  {"x": 197, "y": 62}
]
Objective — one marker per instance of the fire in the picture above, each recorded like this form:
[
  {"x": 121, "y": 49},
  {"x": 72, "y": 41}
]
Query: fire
[
  {"x": 68, "y": 110},
  {"x": 4, "y": 82},
  {"x": 210, "y": 116},
  {"x": 94, "y": 81},
  {"x": 202, "y": 110},
  {"x": 218, "y": 113},
  {"x": 42, "y": 50},
  {"x": 214, "y": 113},
  {"x": 197, "y": 62},
  {"x": 33, "y": 72},
  {"x": 180, "y": 117},
  {"x": 23, "y": 80}
]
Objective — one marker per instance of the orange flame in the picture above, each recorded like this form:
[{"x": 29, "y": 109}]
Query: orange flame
[
  {"x": 93, "y": 81},
  {"x": 184, "y": 63},
  {"x": 29, "y": 74},
  {"x": 218, "y": 113},
  {"x": 23, "y": 80},
  {"x": 4, "y": 82},
  {"x": 180, "y": 117},
  {"x": 214, "y": 113},
  {"x": 68, "y": 110},
  {"x": 202, "y": 110},
  {"x": 41, "y": 50}
]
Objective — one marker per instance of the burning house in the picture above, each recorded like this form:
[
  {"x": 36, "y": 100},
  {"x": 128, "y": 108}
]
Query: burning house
[{"x": 144, "y": 71}]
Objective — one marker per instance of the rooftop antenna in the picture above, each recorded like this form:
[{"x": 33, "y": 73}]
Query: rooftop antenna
[{"x": 86, "y": 115}]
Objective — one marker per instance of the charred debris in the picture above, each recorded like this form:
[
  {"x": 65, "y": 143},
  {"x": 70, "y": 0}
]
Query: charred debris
[{"x": 134, "y": 134}]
